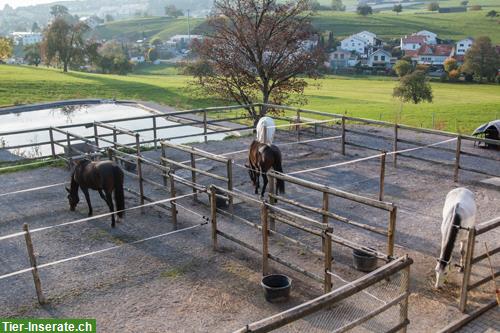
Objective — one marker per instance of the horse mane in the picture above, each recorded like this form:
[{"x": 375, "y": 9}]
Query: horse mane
[{"x": 451, "y": 239}]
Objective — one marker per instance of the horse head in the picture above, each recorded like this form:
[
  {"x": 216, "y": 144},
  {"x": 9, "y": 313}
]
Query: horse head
[{"x": 73, "y": 199}]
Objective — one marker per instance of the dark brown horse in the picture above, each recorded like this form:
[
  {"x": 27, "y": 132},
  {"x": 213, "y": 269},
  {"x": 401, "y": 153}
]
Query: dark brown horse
[
  {"x": 261, "y": 158},
  {"x": 99, "y": 176}
]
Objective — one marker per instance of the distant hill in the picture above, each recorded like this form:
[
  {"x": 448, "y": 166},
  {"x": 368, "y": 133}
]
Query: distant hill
[
  {"x": 22, "y": 18},
  {"x": 150, "y": 27}
]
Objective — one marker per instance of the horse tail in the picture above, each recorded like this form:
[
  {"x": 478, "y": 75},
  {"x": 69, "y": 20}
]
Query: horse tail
[
  {"x": 119, "y": 195},
  {"x": 280, "y": 184}
]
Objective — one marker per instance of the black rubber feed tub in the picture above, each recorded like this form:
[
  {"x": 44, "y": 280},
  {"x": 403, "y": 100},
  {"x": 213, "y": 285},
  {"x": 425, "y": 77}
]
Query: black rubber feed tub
[
  {"x": 364, "y": 261},
  {"x": 276, "y": 287}
]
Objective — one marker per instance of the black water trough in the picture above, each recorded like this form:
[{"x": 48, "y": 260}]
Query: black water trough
[
  {"x": 276, "y": 287},
  {"x": 364, "y": 261}
]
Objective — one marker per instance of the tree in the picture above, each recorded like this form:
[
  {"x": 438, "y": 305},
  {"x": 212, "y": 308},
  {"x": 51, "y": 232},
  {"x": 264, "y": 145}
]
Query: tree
[
  {"x": 59, "y": 10},
  {"x": 64, "y": 41},
  {"x": 257, "y": 51},
  {"x": 397, "y": 8},
  {"x": 338, "y": 6},
  {"x": 156, "y": 42},
  {"x": 32, "y": 54},
  {"x": 492, "y": 14},
  {"x": 172, "y": 11},
  {"x": 464, "y": 3},
  {"x": 433, "y": 7},
  {"x": 332, "y": 43},
  {"x": 113, "y": 58},
  {"x": 402, "y": 67},
  {"x": 364, "y": 10},
  {"x": 481, "y": 59},
  {"x": 450, "y": 64},
  {"x": 109, "y": 18},
  {"x": 5, "y": 48},
  {"x": 35, "y": 27},
  {"x": 414, "y": 87}
]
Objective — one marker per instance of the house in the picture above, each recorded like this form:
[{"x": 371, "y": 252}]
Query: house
[
  {"x": 412, "y": 43},
  {"x": 339, "y": 59},
  {"x": 26, "y": 38},
  {"x": 138, "y": 59},
  {"x": 431, "y": 38},
  {"x": 463, "y": 45},
  {"x": 452, "y": 9},
  {"x": 91, "y": 21},
  {"x": 379, "y": 58},
  {"x": 370, "y": 37},
  {"x": 354, "y": 43},
  {"x": 434, "y": 54}
]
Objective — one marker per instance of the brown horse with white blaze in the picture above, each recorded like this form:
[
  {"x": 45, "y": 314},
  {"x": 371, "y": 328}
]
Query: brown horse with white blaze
[
  {"x": 99, "y": 176},
  {"x": 261, "y": 158}
]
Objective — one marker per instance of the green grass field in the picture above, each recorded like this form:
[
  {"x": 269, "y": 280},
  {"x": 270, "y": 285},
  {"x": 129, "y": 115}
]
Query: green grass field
[
  {"x": 389, "y": 25},
  {"x": 456, "y": 107}
]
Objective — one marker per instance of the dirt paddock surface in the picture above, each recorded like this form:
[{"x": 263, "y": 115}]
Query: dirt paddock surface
[{"x": 177, "y": 283}]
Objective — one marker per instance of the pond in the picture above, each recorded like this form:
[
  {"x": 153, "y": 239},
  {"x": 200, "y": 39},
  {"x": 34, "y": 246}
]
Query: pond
[{"x": 81, "y": 114}]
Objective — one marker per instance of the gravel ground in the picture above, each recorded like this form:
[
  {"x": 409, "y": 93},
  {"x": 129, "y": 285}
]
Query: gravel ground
[{"x": 177, "y": 283}]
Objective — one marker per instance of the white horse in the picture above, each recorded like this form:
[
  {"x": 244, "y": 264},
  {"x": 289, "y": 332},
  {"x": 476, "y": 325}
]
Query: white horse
[
  {"x": 459, "y": 212},
  {"x": 265, "y": 130}
]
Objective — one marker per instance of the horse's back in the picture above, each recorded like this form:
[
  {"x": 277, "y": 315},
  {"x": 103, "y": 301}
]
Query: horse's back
[
  {"x": 265, "y": 130},
  {"x": 466, "y": 202}
]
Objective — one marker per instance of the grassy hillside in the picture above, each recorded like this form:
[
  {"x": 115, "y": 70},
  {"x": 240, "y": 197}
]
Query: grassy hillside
[
  {"x": 389, "y": 25},
  {"x": 456, "y": 106},
  {"x": 150, "y": 27}
]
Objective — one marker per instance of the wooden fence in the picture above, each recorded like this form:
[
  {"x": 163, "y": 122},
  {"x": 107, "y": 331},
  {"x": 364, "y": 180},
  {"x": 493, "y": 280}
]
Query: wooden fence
[
  {"x": 320, "y": 230},
  {"x": 326, "y": 214},
  {"x": 333, "y": 311},
  {"x": 472, "y": 259}
]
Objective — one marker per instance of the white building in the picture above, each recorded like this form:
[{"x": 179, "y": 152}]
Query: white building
[
  {"x": 184, "y": 38},
  {"x": 354, "y": 43},
  {"x": 412, "y": 43},
  {"x": 26, "y": 38},
  {"x": 463, "y": 45},
  {"x": 379, "y": 58},
  {"x": 370, "y": 37},
  {"x": 430, "y": 37}
]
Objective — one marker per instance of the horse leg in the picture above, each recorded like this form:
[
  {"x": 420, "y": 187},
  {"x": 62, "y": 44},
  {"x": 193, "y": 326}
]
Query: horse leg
[
  {"x": 109, "y": 201},
  {"x": 87, "y": 197},
  {"x": 257, "y": 181},
  {"x": 264, "y": 179},
  {"x": 102, "y": 196}
]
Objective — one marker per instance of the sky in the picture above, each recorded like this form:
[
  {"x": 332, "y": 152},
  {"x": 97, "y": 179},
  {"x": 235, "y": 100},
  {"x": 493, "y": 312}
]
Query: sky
[{"x": 18, "y": 3}]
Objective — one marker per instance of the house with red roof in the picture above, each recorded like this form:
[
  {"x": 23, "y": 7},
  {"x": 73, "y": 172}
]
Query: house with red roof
[{"x": 433, "y": 54}]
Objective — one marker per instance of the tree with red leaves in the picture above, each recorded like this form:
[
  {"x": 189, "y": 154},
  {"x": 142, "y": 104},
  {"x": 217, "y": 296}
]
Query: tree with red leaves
[{"x": 257, "y": 51}]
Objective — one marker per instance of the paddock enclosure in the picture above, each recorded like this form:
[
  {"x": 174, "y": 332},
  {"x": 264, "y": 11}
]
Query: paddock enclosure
[{"x": 196, "y": 240}]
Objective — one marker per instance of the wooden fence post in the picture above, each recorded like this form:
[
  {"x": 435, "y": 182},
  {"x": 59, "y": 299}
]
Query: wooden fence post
[
  {"x": 272, "y": 200},
  {"x": 265, "y": 239},
  {"x": 193, "y": 176},
  {"x": 96, "y": 135},
  {"x": 469, "y": 254},
  {"x": 457, "y": 158},
  {"x": 205, "y": 126},
  {"x": 139, "y": 167},
  {"x": 164, "y": 163},
  {"x": 115, "y": 138},
  {"x": 298, "y": 125},
  {"x": 395, "y": 145},
  {"x": 382, "y": 176},
  {"x": 391, "y": 231},
  {"x": 155, "y": 134},
  {"x": 52, "y": 146},
  {"x": 34, "y": 271},
  {"x": 110, "y": 153},
  {"x": 229, "y": 167},
  {"x": 172, "y": 195},
  {"x": 213, "y": 216},
  {"x": 327, "y": 241},
  {"x": 324, "y": 217},
  {"x": 342, "y": 138},
  {"x": 68, "y": 143}
]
